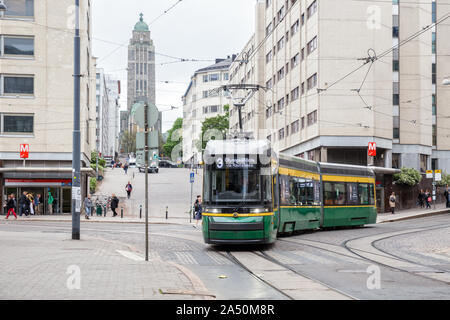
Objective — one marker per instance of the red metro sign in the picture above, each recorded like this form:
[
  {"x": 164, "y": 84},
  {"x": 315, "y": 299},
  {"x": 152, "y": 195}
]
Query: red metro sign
[
  {"x": 24, "y": 151},
  {"x": 372, "y": 149}
]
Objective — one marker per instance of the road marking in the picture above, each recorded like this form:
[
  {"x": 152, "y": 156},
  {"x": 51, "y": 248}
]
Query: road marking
[
  {"x": 131, "y": 255},
  {"x": 185, "y": 258}
]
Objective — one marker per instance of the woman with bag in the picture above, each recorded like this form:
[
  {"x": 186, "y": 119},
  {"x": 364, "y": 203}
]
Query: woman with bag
[
  {"x": 428, "y": 199},
  {"x": 10, "y": 206},
  {"x": 392, "y": 200}
]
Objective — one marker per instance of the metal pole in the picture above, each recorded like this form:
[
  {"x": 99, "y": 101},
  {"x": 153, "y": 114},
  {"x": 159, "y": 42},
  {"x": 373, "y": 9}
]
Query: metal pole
[
  {"x": 167, "y": 212},
  {"x": 76, "y": 151},
  {"x": 146, "y": 179}
]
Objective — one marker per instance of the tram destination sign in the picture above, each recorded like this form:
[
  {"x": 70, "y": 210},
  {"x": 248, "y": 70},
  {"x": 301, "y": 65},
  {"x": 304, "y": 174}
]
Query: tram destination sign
[{"x": 236, "y": 163}]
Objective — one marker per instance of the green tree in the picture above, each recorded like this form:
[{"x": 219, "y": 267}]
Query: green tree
[
  {"x": 220, "y": 123},
  {"x": 408, "y": 176},
  {"x": 445, "y": 180},
  {"x": 101, "y": 161},
  {"x": 128, "y": 142},
  {"x": 174, "y": 137}
]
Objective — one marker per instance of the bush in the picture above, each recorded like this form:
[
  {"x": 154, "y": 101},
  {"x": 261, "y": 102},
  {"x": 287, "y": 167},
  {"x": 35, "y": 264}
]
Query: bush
[
  {"x": 93, "y": 185},
  {"x": 408, "y": 176},
  {"x": 445, "y": 180}
]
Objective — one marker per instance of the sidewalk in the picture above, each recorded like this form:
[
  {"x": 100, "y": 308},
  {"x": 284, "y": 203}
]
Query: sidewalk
[
  {"x": 50, "y": 266},
  {"x": 412, "y": 213}
]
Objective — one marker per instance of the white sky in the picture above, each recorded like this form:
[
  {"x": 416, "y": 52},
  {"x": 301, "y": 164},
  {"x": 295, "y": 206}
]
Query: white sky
[{"x": 194, "y": 29}]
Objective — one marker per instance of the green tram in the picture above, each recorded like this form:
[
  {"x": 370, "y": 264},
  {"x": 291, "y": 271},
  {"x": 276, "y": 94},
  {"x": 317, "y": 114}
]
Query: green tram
[{"x": 251, "y": 196}]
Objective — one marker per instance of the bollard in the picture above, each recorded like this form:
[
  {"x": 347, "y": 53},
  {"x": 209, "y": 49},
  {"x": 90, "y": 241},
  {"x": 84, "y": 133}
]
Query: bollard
[
  {"x": 140, "y": 212},
  {"x": 104, "y": 210},
  {"x": 167, "y": 213},
  {"x": 121, "y": 213}
]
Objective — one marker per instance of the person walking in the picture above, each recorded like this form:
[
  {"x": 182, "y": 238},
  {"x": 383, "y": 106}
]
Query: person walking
[
  {"x": 24, "y": 204},
  {"x": 392, "y": 202},
  {"x": 10, "y": 206},
  {"x": 50, "y": 203},
  {"x": 420, "y": 199},
  {"x": 198, "y": 213},
  {"x": 37, "y": 200},
  {"x": 31, "y": 206},
  {"x": 428, "y": 199},
  {"x": 447, "y": 196},
  {"x": 128, "y": 189},
  {"x": 125, "y": 168},
  {"x": 114, "y": 204},
  {"x": 88, "y": 206}
]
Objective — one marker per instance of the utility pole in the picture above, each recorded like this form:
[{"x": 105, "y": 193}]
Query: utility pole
[
  {"x": 146, "y": 178},
  {"x": 76, "y": 151}
]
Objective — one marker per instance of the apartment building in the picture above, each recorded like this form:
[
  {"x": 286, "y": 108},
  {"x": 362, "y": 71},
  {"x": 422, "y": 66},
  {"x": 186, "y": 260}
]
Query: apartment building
[
  {"x": 36, "y": 99},
  {"x": 102, "y": 113},
  {"x": 340, "y": 74},
  {"x": 114, "y": 91},
  {"x": 201, "y": 102}
]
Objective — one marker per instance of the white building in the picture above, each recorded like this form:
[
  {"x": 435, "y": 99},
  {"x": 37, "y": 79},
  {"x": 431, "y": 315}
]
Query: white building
[
  {"x": 305, "y": 52},
  {"x": 114, "y": 90},
  {"x": 37, "y": 99},
  {"x": 200, "y": 103}
]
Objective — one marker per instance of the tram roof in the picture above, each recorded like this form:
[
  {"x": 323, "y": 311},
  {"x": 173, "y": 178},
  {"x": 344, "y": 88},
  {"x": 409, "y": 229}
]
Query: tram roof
[{"x": 237, "y": 146}]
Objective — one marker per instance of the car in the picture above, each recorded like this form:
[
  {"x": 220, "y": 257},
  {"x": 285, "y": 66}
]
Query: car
[
  {"x": 152, "y": 168},
  {"x": 167, "y": 164}
]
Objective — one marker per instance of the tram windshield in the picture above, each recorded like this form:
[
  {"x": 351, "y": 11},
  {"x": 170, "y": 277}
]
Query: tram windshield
[{"x": 237, "y": 185}]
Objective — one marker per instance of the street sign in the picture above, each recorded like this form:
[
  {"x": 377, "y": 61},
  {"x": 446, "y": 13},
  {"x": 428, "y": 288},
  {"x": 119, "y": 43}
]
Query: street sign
[
  {"x": 138, "y": 113},
  {"x": 372, "y": 149},
  {"x": 192, "y": 177},
  {"x": 438, "y": 175},
  {"x": 24, "y": 151},
  {"x": 429, "y": 174}
]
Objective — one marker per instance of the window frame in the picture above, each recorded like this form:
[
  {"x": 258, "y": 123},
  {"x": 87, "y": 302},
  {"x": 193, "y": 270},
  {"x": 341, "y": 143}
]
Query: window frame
[
  {"x": 16, "y": 56},
  {"x": 2, "y": 124},
  {"x": 16, "y": 95}
]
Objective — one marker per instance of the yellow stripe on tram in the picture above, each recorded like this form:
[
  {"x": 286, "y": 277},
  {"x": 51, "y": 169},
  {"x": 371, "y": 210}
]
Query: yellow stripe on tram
[
  {"x": 210, "y": 214},
  {"x": 298, "y": 173},
  {"x": 347, "y": 179}
]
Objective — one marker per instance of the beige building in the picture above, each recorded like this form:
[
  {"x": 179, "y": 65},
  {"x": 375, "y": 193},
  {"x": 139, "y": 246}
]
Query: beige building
[
  {"x": 201, "y": 102},
  {"x": 36, "y": 98},
  {"x": 334, "y": 85}
]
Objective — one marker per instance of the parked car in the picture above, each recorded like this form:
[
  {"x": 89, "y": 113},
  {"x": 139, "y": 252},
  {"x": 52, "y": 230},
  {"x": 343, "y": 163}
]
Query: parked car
[
  {"x": 167, "y": 164},
  {"x": 152, "y": 168}
]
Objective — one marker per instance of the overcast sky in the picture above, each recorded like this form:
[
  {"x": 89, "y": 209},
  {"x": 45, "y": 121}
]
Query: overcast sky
[{"x": 193, "y": 29}]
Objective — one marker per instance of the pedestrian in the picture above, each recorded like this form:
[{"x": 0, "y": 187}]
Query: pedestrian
[
  {"x": 420, "y": 199},
  {"x": 128, "y": 189},
  {"x": 392, "y": 201},
  {"x": 447, "y": 196},
  {"x": 428, "y": 199},
  {"x": 41, "y": 204},
  {"x": 50, "y": 203},
  {"x": 198, "y": 213},
  {"x": 195, "y": 207},
  {"x": 113, "y": 164},
  {"x": 24, "y": 204},
  {"x": 10, "y": 206},
  {"x": 31, "y": 205},
  {"x": 88, "y": 206},
  {"x": 37, "y": 200},
  {"x": 125, "y": 168},
  {"x": 114, "y": 204}
]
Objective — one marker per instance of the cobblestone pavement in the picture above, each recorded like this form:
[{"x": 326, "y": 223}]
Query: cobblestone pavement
[{"x": 43, "y": 265}]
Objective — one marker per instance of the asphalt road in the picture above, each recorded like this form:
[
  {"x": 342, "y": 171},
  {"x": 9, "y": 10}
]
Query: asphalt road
[{"x": 401, "y": 260}]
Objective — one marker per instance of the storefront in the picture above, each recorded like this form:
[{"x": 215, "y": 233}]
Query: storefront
[{"x": 58, "y": 189}]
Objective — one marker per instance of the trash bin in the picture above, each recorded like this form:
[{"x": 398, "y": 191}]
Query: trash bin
[{"x": 99, "y": 210}]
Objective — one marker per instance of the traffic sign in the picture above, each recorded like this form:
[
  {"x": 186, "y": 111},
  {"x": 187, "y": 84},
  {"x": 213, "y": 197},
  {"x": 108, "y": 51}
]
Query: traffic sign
[
  {"x": 372, "y": 149},
  {"x": 429, "y": 174},
  {"x": 24, "y": 151},
  {"x": 192, "y": 177},
  {"x": 438, "y": 175}
]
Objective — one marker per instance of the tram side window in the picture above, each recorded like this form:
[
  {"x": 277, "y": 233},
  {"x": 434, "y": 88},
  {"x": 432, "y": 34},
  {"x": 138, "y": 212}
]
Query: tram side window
[
  {"x": 352, "y": 194},
  {"x": 329, "y": 194},
  {"x": 335, "y": 194},
  {"x": 285, "y": 190},
  {"x": 306, "y": 197},
  {"x": 363, "y": 192},
  {"x": 371, "y": 195}
]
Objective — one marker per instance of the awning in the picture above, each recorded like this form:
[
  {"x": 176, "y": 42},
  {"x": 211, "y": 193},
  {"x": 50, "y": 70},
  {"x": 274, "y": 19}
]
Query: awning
[{"x": 89, "y": 171}]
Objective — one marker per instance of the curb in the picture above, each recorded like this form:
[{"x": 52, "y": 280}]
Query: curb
[
  {"x": 420, "y": 215},
  {"x": 94, "y": 221}
]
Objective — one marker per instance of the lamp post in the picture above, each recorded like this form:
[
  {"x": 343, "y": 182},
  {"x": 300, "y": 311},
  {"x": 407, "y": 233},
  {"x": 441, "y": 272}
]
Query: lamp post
[{"x": 76, "y": 151}]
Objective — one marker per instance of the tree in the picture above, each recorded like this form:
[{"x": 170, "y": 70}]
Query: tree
[
  {"x": 220, "y": 123},
  {"x": 174, "y": 137},
  {"x": 128, "y": 142},
  {"x": 445, "y": 180},
  {"x": 408, "y": 176}
]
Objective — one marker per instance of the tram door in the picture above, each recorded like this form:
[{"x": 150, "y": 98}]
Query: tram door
[{"x": 380, "y": 199}]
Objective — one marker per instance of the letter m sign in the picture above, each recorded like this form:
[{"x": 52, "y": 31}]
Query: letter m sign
[
  {"x": 372, "y": 149},
  {"x": 24, "y": 151}
]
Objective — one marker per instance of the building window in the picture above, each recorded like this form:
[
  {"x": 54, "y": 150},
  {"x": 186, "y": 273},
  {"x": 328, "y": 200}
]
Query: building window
[
  {"x": 205, "y": 78},
  {"x": 269, "y": 56},
  {"x": 294, "y": 94},
  {"x": 281, "y": 13},
  {"x": 396, "y": 99},
  {"x": 434, "y": 135},
  {"x": 214, "y": 77},
  {"x": 205, "y": 94},
  {"x": 19, "y": 8},
  {"x": 433, "y": 46},
  {"x": 214, "y": 109},
  {"x": 434, "y": 164},
  {"x": 268, "y": 112},
  {"x": 226, "y": 76},
  {"x": 269, "y": 84},
  {"x": 280, "y": 44},
  {"x": 312, "y": 45},
  {"x": 433, "y": 73},
  {"x": 434, "y": 104},
  {"x": 312, "y": 9},
  {"x": 268, "y": 3},
  {"x": 396, "y": 161},
  {"x": 423, "y": 162},
  {"x": 16, "y": 124},
  {"x": 16, "y": 85},
  {"x": 280, "y": 74},
  {"x": 312, "y": 118},
  {"x": 295, "y": 127},
  {"x": 295, "y": 61},
  {"x": 269, "y": 29},
  {"x": 281, "y": 134},
  {"x": 395, "y": 31},
  {"x": 295, "y": 27},
  {"x": 303, "y": 123},
  {"x": 312, "y": 82},
  {"x": 280, "y": 104},
  {"x": 396, "y": 65},
  {"x": 396, "y": 133},
  {"x": 16, "y": 46},
  {"x": 205, "y": 110}
]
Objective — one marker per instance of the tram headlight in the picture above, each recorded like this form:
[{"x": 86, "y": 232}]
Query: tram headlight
[
  {"x": 215, "y": 211},
  {"x": 259, "y": 210}
]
